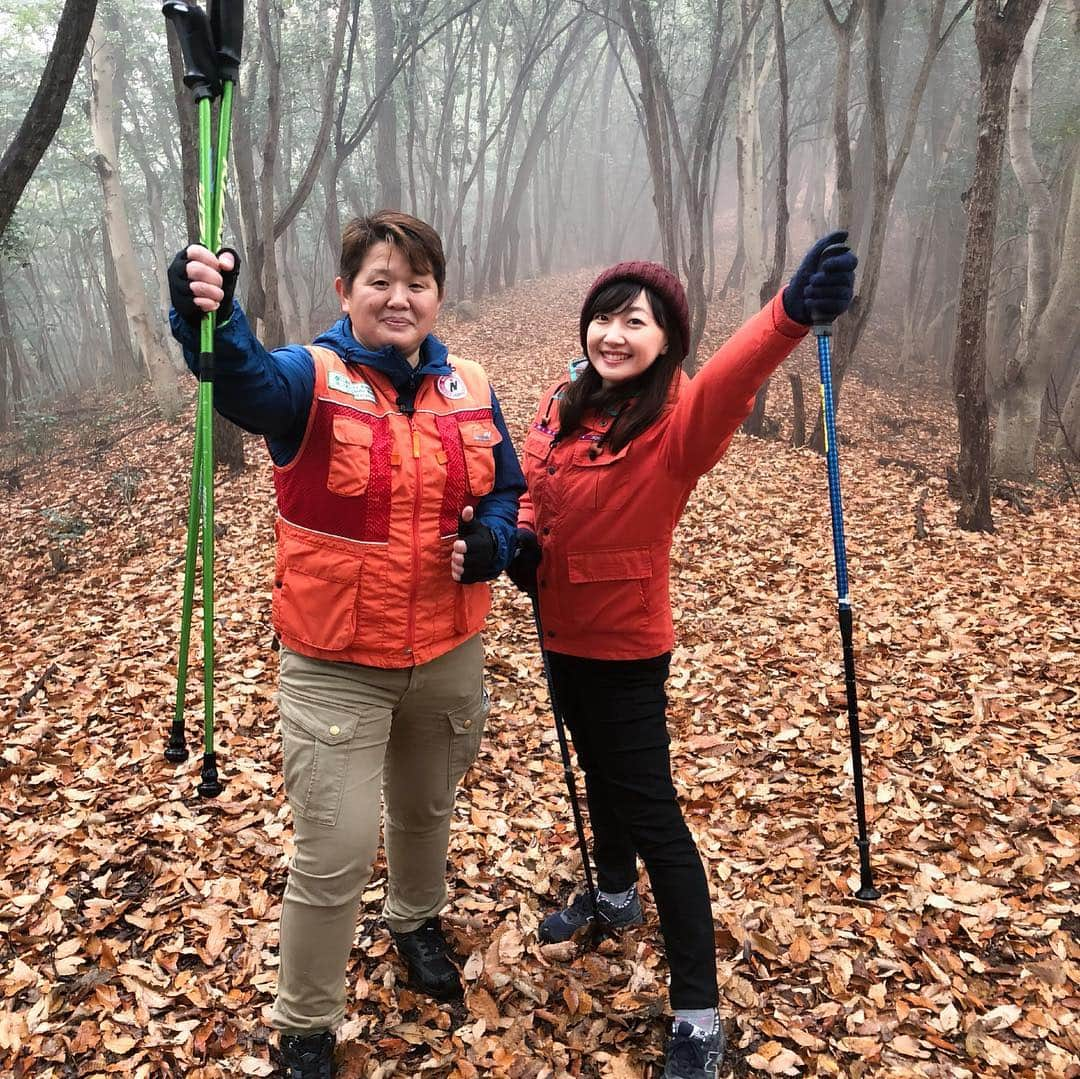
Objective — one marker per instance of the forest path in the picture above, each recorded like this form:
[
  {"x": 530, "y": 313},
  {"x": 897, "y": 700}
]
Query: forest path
[{"x": 141, "y": 923}]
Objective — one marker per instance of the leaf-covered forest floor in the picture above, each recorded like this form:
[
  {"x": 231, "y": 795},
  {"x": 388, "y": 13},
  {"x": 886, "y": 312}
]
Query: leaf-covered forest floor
[{"x": 139, "y": 924}]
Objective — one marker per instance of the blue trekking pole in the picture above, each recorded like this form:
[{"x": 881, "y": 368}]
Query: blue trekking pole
[{"x": 823, "y": 332}]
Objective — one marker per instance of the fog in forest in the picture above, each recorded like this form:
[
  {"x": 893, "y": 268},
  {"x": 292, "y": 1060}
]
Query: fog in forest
[
  {"x": 545, "y": 140},
  {"x": 539, "y": 137}
]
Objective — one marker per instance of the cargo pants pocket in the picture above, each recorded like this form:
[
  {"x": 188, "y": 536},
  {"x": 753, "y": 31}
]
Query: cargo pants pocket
[
  {"x": 466, "y": 731},
  {"x": 316, "y": 740}
]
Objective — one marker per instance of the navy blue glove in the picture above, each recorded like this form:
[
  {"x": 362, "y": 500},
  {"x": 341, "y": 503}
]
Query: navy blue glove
[
  {"x": 183, "y": 299},
  {"x": 822, "y": 287},
  {"x": 480, "y": 550},
  {"x": 525, "y": 561}
]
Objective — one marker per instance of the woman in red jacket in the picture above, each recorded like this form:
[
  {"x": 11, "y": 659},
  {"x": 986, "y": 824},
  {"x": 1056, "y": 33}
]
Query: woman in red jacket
[{"x": 610, "y": 460}]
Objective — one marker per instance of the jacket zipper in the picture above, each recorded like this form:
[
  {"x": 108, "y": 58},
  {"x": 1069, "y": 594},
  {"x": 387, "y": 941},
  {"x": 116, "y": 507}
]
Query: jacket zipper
[{"x": 415, "y": 587}]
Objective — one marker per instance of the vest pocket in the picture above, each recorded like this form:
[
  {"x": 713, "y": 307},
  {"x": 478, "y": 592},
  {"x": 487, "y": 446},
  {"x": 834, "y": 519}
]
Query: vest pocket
[
  {"x": 471, "y": 605},
  {"x": 350, "y": 457},
  {"x": 479, "y": 439},
  {"x": 315, "y": 594}
]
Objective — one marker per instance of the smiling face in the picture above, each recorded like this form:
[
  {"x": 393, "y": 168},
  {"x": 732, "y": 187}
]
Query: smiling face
[
  {"x": 390, "y": 303},
  {"x": 625, "y": 343}
]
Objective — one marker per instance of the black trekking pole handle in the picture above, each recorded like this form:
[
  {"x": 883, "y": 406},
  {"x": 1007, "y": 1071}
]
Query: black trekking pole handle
[
  {"x": 568, "y": 774},
  {"x": 201, "y": 75},
  {"x": 227, "y": 32}
]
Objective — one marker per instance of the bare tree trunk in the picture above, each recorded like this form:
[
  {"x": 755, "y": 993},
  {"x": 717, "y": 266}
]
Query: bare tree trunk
[
  {"x": 755, "y": 422},
  {"x": 601, "y": 213},
  {"x": 228, "y": 445},
  {"x": 273, "y": 333},
  {"x": 681, "y": 169},
  {"x": 751, "y": 169},
  {"x": 103, "y": 66},
  {"x": 798, "y": 431},
  {"x": 9, "y": 358},
  {"x": 510, "y": 226},
  {"x": 844, "y": 32},
  {"x": 1026, "y": 374},
  {"x": 999, "y": 38},
  {"x": 1068, "y": 438},
  {"x": 481, "y": 188},
  {"x": 243, "y": 158},
  {"x": 387, "y": 173},
  {"x": 886, "y": 174},
  {"x": 123, "y": 362},
  {"x": 47, "y": 109},
  {"x": 189, "y": 138}
]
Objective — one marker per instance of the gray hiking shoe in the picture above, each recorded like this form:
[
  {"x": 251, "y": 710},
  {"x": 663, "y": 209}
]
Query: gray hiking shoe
[
  {"x": 556, "y": 928},
  {"x": 693, "y": 1054}
]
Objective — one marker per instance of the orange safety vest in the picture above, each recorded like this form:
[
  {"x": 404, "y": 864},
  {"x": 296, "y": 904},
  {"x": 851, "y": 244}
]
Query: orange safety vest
[{"x": 368, "y": 513}]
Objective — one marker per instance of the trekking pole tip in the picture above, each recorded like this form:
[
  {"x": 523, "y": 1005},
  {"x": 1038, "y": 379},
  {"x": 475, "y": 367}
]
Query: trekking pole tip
[
  {"x": 176, "y": 750},
  {"x": 210, "y": 787},
  {"x": 867, "y": 891}
]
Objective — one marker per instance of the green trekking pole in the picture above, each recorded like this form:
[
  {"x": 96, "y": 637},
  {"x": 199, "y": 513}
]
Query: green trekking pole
[{"x": 211, "y": 49}]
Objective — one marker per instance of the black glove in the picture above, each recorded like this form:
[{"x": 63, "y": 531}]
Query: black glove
[
  {"x": 525, "y": 561},
  {"x": 822, "y": 287},
  {"x": 183, "y": 299},
  {"x": 480, "y": 550}
]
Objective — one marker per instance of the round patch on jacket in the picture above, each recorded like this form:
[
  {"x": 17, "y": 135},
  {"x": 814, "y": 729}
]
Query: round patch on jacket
[{"x": 451, "y": 387}]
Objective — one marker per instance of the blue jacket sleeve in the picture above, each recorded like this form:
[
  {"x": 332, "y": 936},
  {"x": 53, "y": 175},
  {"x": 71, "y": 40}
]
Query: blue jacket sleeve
[
  {"x": 499, "y": 509},
  {"x": 266, "y": 393}
]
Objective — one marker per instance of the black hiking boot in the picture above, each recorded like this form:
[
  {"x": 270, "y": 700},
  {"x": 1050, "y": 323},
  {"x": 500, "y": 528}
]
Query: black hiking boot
[
  {"x": 693, "y": 1054},
  {"x": 561, "y": 926},
  {"x": 307, "y": 1056},
  {"x": 427, "y": 958}
]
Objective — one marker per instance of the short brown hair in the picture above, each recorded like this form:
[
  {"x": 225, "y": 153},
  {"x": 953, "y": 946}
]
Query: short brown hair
[{"x": 417, "y": 241}]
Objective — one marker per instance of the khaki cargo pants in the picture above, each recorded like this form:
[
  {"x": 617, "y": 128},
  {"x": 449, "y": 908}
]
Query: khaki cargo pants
[{"x": 350, "y": 733}]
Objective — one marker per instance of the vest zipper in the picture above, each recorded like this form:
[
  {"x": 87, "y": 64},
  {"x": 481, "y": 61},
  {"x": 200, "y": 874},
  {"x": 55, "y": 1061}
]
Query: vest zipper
[{"x": 415, "y": 537}]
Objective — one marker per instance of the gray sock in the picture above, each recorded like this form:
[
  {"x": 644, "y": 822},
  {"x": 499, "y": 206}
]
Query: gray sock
[
  {"x": 707, "y": 1020},
  {"x": 618, "y": 899}
]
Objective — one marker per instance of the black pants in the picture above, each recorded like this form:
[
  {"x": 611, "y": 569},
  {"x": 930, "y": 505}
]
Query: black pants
[{"x": 615, "y": 710}]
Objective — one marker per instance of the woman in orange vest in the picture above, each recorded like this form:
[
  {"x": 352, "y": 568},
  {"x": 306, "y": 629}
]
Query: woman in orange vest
[
  {"x": 610, "y": 460},
  {"x": 397, "y": 492}
]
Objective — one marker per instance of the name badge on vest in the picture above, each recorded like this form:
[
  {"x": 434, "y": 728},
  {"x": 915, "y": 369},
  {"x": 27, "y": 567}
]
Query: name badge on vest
[
  {"x": 360, "y": 390},
  {"x": 451, "y": 387}
]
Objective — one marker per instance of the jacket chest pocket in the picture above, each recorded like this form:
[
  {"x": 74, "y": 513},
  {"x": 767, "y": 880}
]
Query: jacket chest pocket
[
  {"x": 603, "y": 478},
  {"x": 350, "y": 457},
  {"x": 478, "y": 441}
]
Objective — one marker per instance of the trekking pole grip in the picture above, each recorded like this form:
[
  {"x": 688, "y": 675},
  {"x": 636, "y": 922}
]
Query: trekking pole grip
[
  {"x": 201, "y": 74},
  {"x": 227, "y": 31},
  {"x": 823, "y": 323}
]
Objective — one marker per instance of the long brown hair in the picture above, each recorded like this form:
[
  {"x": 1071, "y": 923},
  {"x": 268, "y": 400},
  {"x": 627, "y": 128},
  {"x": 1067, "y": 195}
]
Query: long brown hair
[{"x": 636, "y": 403}]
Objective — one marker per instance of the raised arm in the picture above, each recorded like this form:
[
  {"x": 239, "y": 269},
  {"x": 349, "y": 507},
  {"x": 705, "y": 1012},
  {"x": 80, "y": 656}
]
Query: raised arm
[
  {"x": 710, "y": 408},
  {"x": 267, "y": 393}
]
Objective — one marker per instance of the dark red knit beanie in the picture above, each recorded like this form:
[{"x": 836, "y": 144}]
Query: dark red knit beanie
[{"x": 663, "y": 282}]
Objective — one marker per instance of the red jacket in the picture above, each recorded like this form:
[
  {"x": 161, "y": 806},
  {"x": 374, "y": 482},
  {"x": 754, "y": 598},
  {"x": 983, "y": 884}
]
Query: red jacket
[
  {"x": 365, "y": 531},
  {"x": 605, "y": 520}
]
